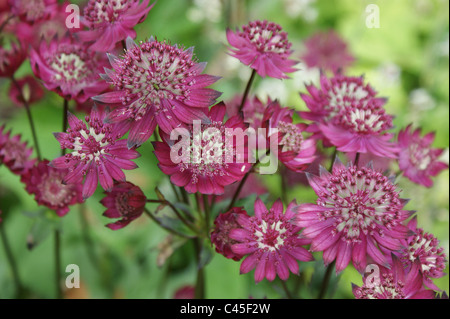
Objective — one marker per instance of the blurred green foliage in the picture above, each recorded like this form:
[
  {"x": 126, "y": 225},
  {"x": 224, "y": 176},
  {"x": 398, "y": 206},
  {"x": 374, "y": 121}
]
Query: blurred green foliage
[{"x": 406, "y": 59}]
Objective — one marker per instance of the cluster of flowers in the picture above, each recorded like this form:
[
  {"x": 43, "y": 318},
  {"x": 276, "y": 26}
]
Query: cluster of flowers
[{"x": 358, "y": 217}]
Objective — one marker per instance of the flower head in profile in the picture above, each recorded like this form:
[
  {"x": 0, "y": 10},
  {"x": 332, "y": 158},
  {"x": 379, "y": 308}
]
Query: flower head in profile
[
  {"x": 358, "y": 214},
  {"x": 348, "y": 114},
  {"x": 423, "y": 247},
  {"x": 327, "y": 51},
  {"x": 220, "y": 235},
  {"x": 14, "y": 153},
  {"x": 417, "y": 159},
  {"x": 30, "y": 91},
  {"x": 69, "y": 69},
  {"x": 270, "y": 241},
  {"x": 45, "y": 183},
  {"x": 157, "y": 84},
  {"x": 394, "y": 282},
  {"x": 205, "y": 159},
  {"x": 11, "y": 58},
  {"x": 111, "y": 21},
  {"x": 264, "y": 47},
  {"x": 96, "y": 154},
  {"x": 125, "y": 201},
  {"x": 185, "y": 292},
  {"x": 295, "y": 151},
  {"x": 32, "y": 11}
]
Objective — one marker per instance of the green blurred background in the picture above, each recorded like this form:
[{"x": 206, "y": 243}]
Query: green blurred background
[{"x": 406, "y": 59}]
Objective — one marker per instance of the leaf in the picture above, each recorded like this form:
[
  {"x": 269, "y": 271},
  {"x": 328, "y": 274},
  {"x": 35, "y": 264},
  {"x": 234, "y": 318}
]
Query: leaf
[
  {"x": 167, "y": 247},
  {"x": 206, "y": 254},
  {"x": 45, "y": 222},
  {"x": 159, "y": 194}
]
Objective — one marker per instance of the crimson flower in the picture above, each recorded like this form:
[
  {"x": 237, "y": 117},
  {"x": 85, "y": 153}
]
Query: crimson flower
[
  {"x": 417, "y": 159},
  {"x": 270, "y": 241},
  {"x": 264, "y": 47},
  {"x": 348, "y": 114},
  {"x": 110, "y": 22},
  {"x": 203, "y": 161},
  {"x": 220, "y": 235},
  {"x": 358, "y": 214},
  {"x": 96, "y": 153},
  {"x": 125, "y": 201},
  {"x": 394, "y": 282},
  {"x": 14, "y": 153},
  {"x": 11, "y": 59},
  {"x": 31, "y": 11},
  {"x": 157, "y": 84},
  {"x": 30, "y": 89},
  {"x": 45, "y": 183},
  {"x": 69, "y": 69}
]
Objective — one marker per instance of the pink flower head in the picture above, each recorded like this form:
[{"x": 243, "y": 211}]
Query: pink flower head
[
  {"x": 417, "y": 159},
  {"x": 157, "y": 83},
  {"x": 220, "y": 236},
  {"x": 349, "y": 115},
  {"x": 125, "y": 201},
  {"x": 69, "y": 69},
  {"x": 45, "y": 183},
  {"x": 30, "y": 89},
  {"x": 271, "y": 242},
  {"x": 96, "y": 152},
  {"x": 253, "y": 110},
  {"x": 358, "y": 214},
  {"x": 395, "y": 282},
  {"x": 14, "y": 154},
  {"x": 31, "y": 11},
  {"x": 11, "y": 59},
  {"x": 110, "y": 22},
  {"x": 327, "y": 51},
  {"x": 264, "y": 47},
  {"x": 294, "y": 151},
  {"x": 205, "y": 164},
  {"x": 424, "y": 248},
  {"x": 185, "y": 292}
]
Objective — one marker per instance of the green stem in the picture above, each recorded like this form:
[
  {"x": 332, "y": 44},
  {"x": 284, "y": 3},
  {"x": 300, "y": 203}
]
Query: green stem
[
  {"x": 189, "y": 224},
  {"x": 30, "y": 118},
  {"x": 172, "y": 231},
  {"x": 207, "y": 214},
  {"x": 11, "y": 261},
  {"x": 57, "y": 252},
  {"x": 200, "y": 282},
  {"x": 286, "y": 290},
  {"x": 89, "y": 244},
  {"x": 326, "y": 280},
  {"x": 247, "y": 90},
  {"x": 357, "y": 159}
]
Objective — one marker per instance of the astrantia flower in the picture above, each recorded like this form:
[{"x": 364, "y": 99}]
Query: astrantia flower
[
  {"x": 271, "y": 242},
  {"x": 295, "y": 151},
  {"x": 348, "y": 114},
  {"x": 157, "y": 83},
  {"x": 111, "y": 21},
  {"x": 417, "y": 159},
  {"x": 424, "y": 248},
  {"x": 394, "y": 283},
  {"x": 264, "y": 47},
  {"x": 30, "y": 89},
  {"x": 358, "y": 210},
  {"x": 45, "y": 183},
  {"x": 205, "y": 164},
  {"x": 185, "y": 292},
  {"x": 96, "y": 154},
  {"x": 11, "y": 59},
  {"x": 253, "y": 110},
  {"x": 327, "y": 51},
  {"x": 125, "y": 201},
  {"x": 220, "y": 235},
  {"x": 32, "y": 11},
  {"x": 69, "y": 69},
  {"x": 14, "y": 153}
]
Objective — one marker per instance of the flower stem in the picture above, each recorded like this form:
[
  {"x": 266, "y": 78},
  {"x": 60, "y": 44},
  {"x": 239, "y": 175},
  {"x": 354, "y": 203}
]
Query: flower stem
[
  {"x": 207, "y": 214},
  {"x": 357, "y": 159},
  {"x": 64, "y": 123},
  {"x": 172, "y": 231},
  {"x": 6, "y": 22},
  {"x": 247, "y": 90},
  {"x": 11, "y": 261},
  {"x": 86, "y": 236},
  {"x": 326, "y": 280},
  {"x": 30, "y": 118},
  {"x": 286, "y": 290},
  {"x": 57, "y": 252},
  {"x": 200, "y": 282}
]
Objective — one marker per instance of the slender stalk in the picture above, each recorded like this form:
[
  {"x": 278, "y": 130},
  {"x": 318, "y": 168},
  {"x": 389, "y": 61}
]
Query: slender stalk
[
  {"x": 65, "y": 123},
  {"x": 172, "y": 231},
  {"x": 333, "y": 159},
  {"x": 175, "y": 210},
  {"x": 30, "y": 118},
  {"x": 11, "y": 261},
  {"x": 207, "y": 214},
  {"x": 174, "y": 190},
  {"x": 184, "y": 195},
  {"x": 286, "y": 290},
  {"x": 6, "y": 22},
  {"x": 86, "y": 236},
  {"x": 247, "y": 90},
  {"x": 357, "y": 159},
  {"x": 326, "y": 280},
  {"x": 200, "y": 282},
  {"x": 57, "y": 252},
  {"x": 283, "y": 185}
]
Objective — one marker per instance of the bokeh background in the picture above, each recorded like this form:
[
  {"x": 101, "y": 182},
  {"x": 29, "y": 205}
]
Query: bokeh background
[{"x": 406, "y": 59}]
